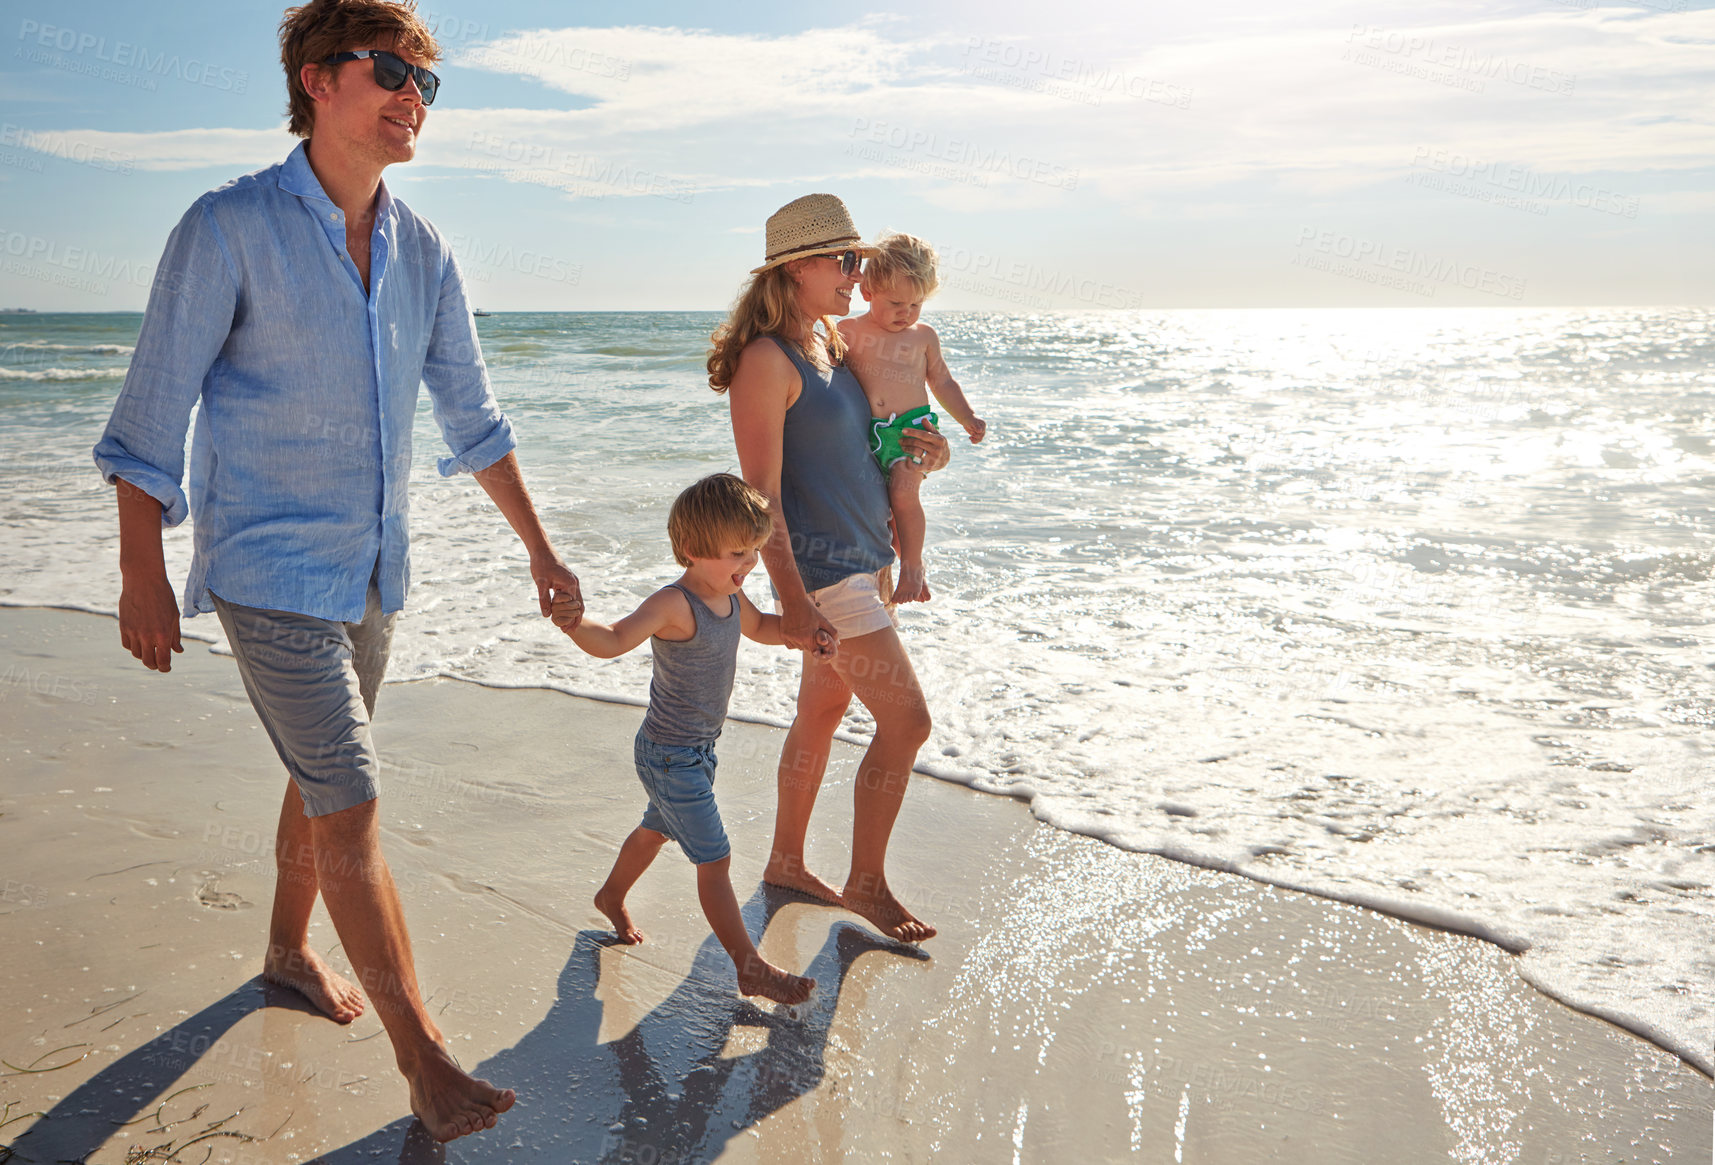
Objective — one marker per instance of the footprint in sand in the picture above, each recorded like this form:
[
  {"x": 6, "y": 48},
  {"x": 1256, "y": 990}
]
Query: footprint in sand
[{"x": 220, "y": 899}]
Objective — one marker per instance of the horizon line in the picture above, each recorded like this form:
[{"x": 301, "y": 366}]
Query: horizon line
[{"x": 487, "y": 313}]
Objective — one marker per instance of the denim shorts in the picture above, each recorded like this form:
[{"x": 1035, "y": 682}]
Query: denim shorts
[{"x": 680, "y": 781}]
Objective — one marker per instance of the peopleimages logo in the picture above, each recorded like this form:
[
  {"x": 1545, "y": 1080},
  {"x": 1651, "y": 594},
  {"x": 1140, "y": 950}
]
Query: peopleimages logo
[
  {"x": 58, "y": 145},
  {"x": 1523, "y": 181},
  {"x": 1044, "y": 70},
  {"x": 76, "y": 268},
  {"x": 585, "y": 175},
  {"x": 553, "y": 51},
  {"x": 1027, "y": 283},
  {"x": 124, "y": 55},
  {"x": 484, "y": 256},
  {"x": 1408, "y": 269},
  {"x": 1435, "y": 53},
  {"x": 963, "y": 156}
]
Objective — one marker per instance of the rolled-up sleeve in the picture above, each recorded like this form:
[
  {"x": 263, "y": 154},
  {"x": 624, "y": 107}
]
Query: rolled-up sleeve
[
  {"x": 186, "y": 324},
  {"x": 471, "y": 422}
]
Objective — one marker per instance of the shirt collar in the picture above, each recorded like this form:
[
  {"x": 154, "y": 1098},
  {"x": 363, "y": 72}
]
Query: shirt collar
[{"x": 296, "y": 177}]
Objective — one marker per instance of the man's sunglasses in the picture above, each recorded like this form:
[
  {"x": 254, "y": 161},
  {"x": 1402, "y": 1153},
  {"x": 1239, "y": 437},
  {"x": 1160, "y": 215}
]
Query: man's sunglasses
[
  {"x": 390, "y": 71},
  {"x": 851, "y": 263}
]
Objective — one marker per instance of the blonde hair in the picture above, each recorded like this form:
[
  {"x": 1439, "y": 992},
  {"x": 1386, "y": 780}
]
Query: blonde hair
[
  {"x": 900, "y": 261},
  {"x": 313, "y": 32},
  {"x": 715, "y": 515},
  {"x": 768, "y": 306}
]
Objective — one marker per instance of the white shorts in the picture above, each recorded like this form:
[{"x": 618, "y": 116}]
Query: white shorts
[{"x": 854, "y": 605}]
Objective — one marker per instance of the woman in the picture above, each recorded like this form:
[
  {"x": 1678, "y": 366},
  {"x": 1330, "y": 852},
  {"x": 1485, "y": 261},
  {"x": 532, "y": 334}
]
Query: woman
[{"x": 801, "y": 424}]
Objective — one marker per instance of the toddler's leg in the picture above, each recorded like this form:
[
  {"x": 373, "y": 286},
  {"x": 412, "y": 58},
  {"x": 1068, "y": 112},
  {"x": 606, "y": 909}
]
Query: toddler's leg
[
  {"x": 903, "y": 482},
  {"x": 756, "y": 976},
  {"x": 634, "y": 857}
]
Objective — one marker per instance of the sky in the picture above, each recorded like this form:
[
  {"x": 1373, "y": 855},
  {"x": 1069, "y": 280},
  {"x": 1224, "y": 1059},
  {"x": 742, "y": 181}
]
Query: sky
[{"x": 1077, "y": 155}]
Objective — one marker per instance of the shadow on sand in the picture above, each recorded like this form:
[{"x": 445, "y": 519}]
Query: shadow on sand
[
  {"x": 663, "y": 1092},
  {"x": 132, "y": 1089}
]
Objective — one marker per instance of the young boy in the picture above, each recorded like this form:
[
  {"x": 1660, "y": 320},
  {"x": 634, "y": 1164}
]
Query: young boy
[
  {"x": 895, "y": 358},
  {"x": 717, "y": 527}
]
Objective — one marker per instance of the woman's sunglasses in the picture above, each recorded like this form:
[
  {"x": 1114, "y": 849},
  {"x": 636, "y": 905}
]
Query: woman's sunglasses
[
  {"x": 851, "y": 263},
  {"x": 390, "y": 71}
]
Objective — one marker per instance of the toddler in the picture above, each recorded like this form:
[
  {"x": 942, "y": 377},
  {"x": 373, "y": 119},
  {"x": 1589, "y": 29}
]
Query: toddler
[
  {"x": 898, "y": 362},
  {"x": 717, "y": 527}
]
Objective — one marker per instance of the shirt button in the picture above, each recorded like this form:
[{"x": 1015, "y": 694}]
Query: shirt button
[{"x": 334, "y": 215}]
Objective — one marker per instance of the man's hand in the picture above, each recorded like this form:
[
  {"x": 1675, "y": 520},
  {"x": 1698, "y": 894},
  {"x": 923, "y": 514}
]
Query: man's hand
[
  {"x": 554, "y": 580},
  {"x": 568, "y": 611},
  {"x": 976, "y": 429},
  {"x": 149, "y": 622},
  {"x": 148, "y": 616}
]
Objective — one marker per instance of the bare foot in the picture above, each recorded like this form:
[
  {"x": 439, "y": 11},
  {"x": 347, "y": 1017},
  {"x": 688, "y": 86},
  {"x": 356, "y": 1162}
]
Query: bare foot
[
  {"x": 913, "y": 584},
  {"x": 789, "y": 873},
  {"x": 303, "y": 971},
  {"x": 884, "y": 911},
  {"x": 614, "y": 908},
  {"x": 450, "y": 1102},
  {"x": 760, "y": 977}
]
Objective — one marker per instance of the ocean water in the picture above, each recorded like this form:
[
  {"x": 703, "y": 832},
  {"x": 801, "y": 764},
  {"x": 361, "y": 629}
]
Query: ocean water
[{"x": 1404, "y": 608}]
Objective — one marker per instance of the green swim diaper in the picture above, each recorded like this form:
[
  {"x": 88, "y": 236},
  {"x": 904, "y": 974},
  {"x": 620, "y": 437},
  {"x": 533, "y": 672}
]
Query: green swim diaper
[{"x": 884, "y": 435}]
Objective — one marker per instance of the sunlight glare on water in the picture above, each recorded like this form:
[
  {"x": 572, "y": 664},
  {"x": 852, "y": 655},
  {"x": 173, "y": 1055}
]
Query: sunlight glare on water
[{"x": 1403, "y": 607}]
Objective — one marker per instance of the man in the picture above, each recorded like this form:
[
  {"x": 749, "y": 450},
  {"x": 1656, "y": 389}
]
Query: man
[{"x": 303, "y": 306}]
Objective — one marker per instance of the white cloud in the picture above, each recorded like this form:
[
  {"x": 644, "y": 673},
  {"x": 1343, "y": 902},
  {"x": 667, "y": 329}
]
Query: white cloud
[
  {"x": 1317, "y": 110},
  {"x": 178, "y": 149},
  {"x": 1011, "y": 125},
  {"x": 654, "y": 79}
]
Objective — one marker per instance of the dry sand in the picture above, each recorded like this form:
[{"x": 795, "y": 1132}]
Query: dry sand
[{"x": 1081, "y": 1003}]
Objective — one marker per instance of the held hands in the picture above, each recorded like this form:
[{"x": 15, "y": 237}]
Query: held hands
[
  {"x": 567, "y": 609},
  {"x": 802, "y": 628},
  {"x": 554, "y": 582}
]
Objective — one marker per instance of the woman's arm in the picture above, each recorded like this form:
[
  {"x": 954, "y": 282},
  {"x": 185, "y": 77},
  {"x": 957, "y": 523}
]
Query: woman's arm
[{"x": 761, "y": 392}]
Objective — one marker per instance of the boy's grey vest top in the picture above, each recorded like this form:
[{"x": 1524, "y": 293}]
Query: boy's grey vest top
[
  {"x": 831, "y": 489},
  {"x": 692, "y": 684}
]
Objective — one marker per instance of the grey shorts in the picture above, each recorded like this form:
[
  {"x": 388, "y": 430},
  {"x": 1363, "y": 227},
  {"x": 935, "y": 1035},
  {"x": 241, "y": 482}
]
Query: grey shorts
[{"x": 313, "y": 683}]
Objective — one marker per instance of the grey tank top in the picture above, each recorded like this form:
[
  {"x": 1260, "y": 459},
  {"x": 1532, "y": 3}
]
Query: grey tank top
[
  {"x": 692, "y": 684},
  {"x": 830, "y": 487}
]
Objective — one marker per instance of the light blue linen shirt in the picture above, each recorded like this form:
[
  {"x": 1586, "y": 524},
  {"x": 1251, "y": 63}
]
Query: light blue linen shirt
[{"x": 302, "y": 452}]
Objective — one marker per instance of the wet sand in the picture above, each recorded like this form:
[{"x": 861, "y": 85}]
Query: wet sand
[{"x": 1080, "y": 1002}]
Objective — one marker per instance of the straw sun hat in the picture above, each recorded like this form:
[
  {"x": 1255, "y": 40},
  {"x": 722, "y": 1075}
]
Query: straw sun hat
[{"x": 812, "y": 225}]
